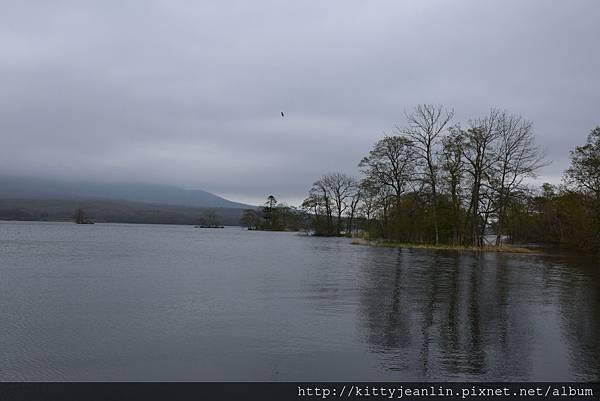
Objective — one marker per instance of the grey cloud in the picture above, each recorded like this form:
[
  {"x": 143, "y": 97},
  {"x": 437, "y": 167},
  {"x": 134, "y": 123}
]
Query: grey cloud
[{"x": 189, "y": 93}]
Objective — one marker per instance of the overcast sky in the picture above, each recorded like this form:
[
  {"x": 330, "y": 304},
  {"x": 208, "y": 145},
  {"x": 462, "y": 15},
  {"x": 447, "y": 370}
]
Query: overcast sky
[{"x": 189, "y": 93}]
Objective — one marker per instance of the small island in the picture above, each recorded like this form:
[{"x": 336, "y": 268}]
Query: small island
[
  {"x": 81, "y": 218},
  {"x": 210, "y": 219}
]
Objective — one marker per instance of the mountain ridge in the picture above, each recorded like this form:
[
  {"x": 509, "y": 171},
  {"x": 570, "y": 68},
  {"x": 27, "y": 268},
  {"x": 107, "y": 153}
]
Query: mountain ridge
[
  {"x": 111, "y": 211},
  {"x": 41, "y": 188}
]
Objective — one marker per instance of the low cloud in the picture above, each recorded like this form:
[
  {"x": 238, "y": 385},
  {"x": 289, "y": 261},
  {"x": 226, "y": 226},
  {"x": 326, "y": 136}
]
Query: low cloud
[{"x": 190, "y": 93}]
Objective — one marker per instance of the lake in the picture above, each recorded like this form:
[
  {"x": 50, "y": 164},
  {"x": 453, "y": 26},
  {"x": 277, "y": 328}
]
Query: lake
[{"x": 150, "y": 302}]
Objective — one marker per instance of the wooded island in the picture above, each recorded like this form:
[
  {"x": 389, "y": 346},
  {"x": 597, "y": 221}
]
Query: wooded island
[{"x": 438, "y": 182}]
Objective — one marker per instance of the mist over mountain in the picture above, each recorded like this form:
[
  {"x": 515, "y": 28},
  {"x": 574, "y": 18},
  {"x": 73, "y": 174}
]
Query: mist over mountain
[{"x": 38, "y": 188}]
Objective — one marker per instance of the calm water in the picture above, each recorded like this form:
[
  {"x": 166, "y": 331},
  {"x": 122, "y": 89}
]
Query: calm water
[{"x": 143, "y": 302}]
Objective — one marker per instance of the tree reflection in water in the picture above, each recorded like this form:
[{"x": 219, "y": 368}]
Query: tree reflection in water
[{"x": 450, "y": 315}]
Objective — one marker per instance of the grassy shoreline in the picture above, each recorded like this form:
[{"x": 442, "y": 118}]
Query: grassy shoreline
[{"x": 486, "y": 248}]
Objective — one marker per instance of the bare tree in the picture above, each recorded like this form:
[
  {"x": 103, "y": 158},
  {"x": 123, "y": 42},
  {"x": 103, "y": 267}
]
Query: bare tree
[
  {"x": 453, "y": 165},
  {"x": 340, "y": 187},
  {"x": 433, "y": 182},
  {"x": 391, "y": 163},
  {"x": 369, "y": 202},
  {"x": 478, "y": 152},
  {"x": 426, "y": 123},
  {"x": 517, "y": 158},
  {"x": 386, "y": 200},
  {"x": 354, "y": 199},
  {"x": 319, "y": 202},
  {"x": 312, "y": 206}
]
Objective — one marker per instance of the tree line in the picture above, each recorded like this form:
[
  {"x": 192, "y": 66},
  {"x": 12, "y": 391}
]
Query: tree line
[
  {"x": 436, "y": 181},
  {"x": 274, "y": 216}
]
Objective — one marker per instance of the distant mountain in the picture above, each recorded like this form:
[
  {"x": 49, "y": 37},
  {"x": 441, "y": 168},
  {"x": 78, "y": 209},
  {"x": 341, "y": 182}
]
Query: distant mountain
[
  {"x": 111, "y": 211},
  {"x": 37, "y": 188}
]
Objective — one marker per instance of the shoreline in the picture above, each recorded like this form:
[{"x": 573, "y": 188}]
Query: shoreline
[{"x": 486, "y": 248}]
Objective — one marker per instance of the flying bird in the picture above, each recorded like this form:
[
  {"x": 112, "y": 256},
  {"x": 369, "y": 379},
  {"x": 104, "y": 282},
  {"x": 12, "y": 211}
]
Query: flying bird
[{"x": 282, "y": 115}]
